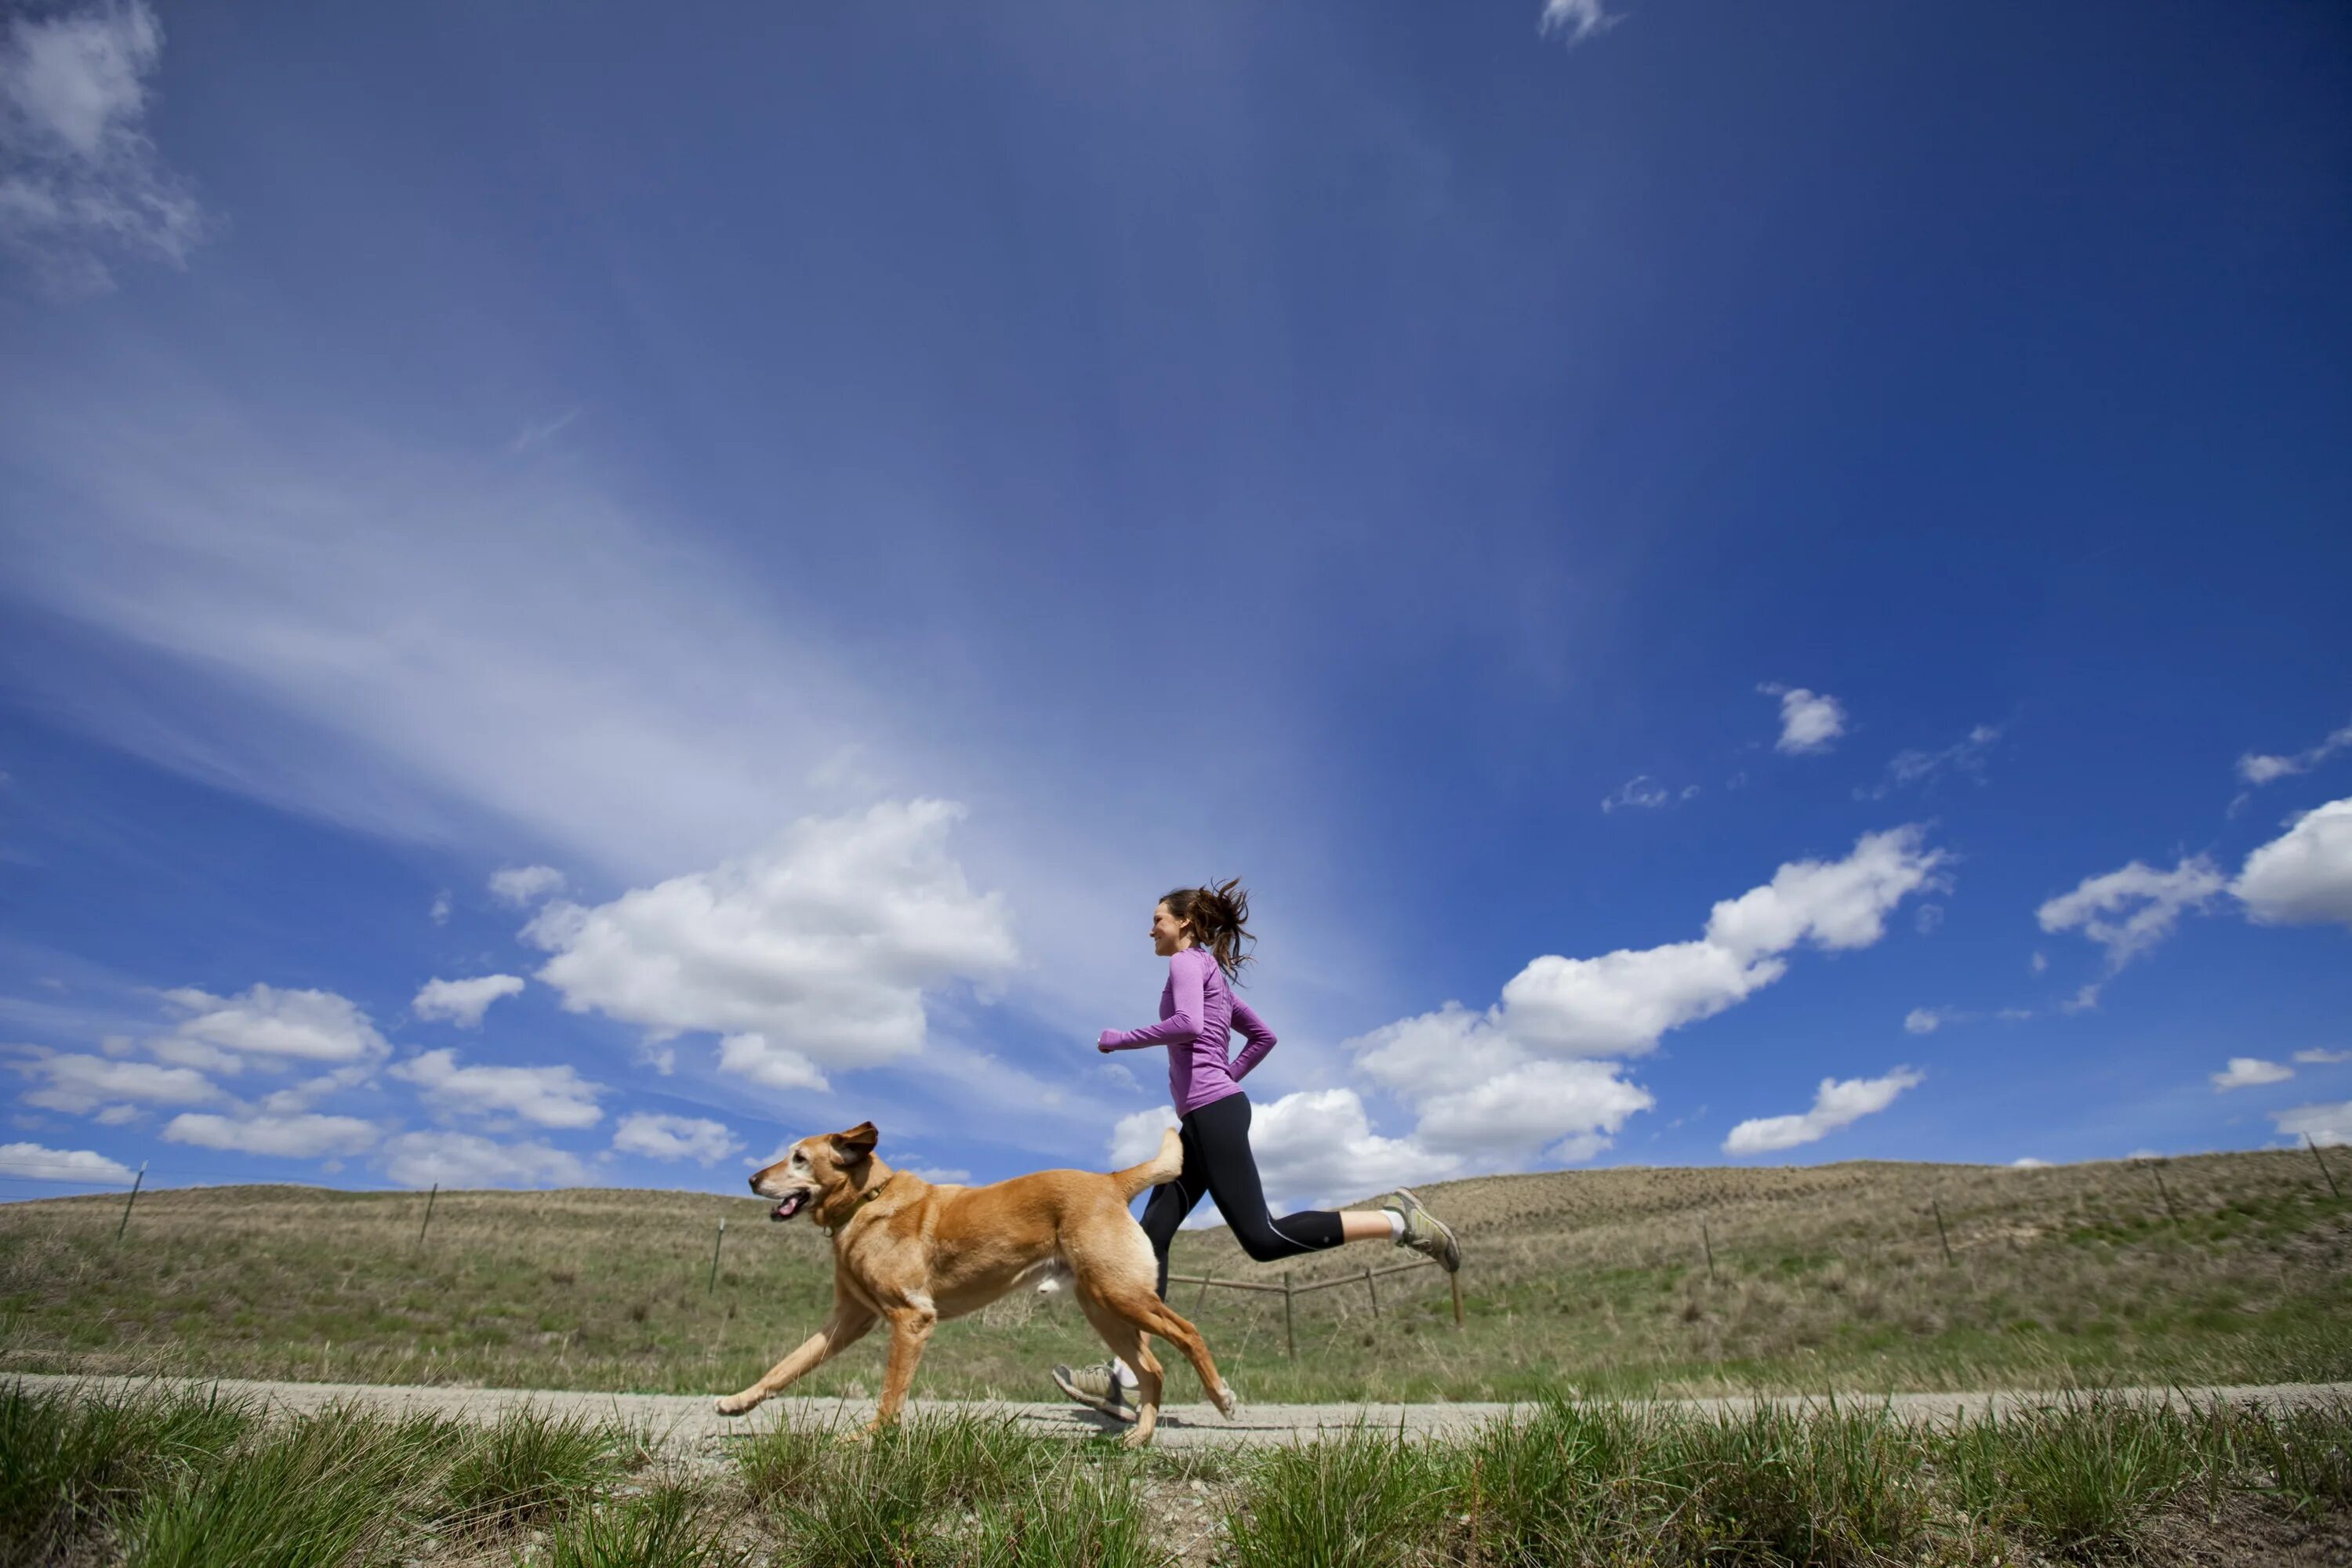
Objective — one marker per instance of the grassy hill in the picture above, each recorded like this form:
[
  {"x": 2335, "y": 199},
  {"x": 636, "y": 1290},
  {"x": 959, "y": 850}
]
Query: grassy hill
[{"x": 1827, "y": 1277}]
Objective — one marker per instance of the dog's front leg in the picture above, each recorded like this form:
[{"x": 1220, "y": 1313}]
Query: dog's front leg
[
  {"x": 848, "y": 1324},
  {"x": 910, "y": 1330}
]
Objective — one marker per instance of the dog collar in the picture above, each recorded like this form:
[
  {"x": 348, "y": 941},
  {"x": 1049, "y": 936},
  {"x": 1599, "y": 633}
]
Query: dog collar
[{"x": 867, "y": 1197}]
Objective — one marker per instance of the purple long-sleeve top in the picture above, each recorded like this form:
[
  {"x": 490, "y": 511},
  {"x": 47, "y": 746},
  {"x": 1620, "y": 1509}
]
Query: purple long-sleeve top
[{"x": 1198, "y": 1012}]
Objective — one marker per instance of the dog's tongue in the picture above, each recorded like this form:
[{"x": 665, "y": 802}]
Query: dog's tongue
[{"x": 789, "y": 1206}]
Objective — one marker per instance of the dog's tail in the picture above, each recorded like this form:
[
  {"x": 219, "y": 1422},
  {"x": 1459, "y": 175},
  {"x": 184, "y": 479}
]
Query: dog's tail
[{"x": 1158, "y": 1171}]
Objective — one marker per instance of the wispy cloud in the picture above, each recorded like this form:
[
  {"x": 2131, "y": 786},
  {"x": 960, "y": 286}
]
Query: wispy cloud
[
  {"x": 2255, "y": 769},
  {"x": 1810, "y": 721},
  {"x": 1839, "y": 1102},
  {"x": 79, "y": 179},
  {"x": 1965, "y": 757},
  {"x": 1573, "y": 21},
  {"x": 2246, "y": 1072}
]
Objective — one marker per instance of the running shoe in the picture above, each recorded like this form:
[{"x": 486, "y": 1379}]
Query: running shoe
[
  {"x": 1426, "y": 1232},
  {"x": 1096, "y": 1388}
]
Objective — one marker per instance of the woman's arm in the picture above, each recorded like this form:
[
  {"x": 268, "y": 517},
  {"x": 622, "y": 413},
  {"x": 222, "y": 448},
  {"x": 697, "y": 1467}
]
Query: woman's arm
[
  {"x": 1186, "y": 984},
  {"x": 1261, "y": 1039}
]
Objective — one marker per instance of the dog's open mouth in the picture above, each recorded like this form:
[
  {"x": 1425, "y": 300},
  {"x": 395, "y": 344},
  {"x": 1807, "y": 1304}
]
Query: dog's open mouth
[{"x": 790, "y": 1204}]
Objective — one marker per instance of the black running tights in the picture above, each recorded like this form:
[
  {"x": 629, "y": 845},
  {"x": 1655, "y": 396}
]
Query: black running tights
[{"x": 1218, "y": 1163}]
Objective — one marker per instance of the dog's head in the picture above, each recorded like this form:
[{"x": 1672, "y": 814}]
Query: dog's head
[{"x": 827, "y": 1166}]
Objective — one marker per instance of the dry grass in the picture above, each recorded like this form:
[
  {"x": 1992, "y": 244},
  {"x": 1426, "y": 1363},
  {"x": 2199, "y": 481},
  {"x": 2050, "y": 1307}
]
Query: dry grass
[{"x": 1826, "y": 1276}]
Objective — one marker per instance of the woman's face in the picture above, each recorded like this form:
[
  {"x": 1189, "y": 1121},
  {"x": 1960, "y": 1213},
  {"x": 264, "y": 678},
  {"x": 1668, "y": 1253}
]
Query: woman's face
[{"x": 1170, "y": 935}]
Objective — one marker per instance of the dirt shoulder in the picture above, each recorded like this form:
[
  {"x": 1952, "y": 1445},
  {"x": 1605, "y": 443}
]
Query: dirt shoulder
[{"x": 687, "y": 1422}]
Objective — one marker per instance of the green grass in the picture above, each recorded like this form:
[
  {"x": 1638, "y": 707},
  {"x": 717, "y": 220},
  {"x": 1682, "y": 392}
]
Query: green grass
[
  {"x": 1587, "y": 1283},
  {"x": 156, "y": 1479}
]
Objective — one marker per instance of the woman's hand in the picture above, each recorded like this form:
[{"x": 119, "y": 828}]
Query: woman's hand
[{"x": 1106, "y": 1041}]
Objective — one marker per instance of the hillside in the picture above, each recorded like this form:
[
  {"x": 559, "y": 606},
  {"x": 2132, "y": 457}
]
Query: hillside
[{"x": 1823, "y": 1277}]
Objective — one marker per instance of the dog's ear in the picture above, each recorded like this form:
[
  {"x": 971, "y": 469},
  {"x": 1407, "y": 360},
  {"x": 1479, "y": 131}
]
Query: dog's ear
[{"x": 857, "y": 1142}]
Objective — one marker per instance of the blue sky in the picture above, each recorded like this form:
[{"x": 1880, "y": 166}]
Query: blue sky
[{"x": 1742, "y": 583}]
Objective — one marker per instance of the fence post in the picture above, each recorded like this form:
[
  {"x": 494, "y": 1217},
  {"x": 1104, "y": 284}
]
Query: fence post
[
  {"x": 1456, "y": 1280},
  {"x": 141, "y": 1176},
  {"x": 2333, "y": 1191},
  {"x": 1372, "y": 1291},
  {"x": 1940, "y": 1234},
  {"x": 2165, "y": 1191},
  {"x": 1289, "y": 1335},
  {"x": 714, "y": 1257},
  {"x": 430, "y": 1199},
  {"x": 1202, "y": 1299},
  {"x": 1708, "y": 1242}
]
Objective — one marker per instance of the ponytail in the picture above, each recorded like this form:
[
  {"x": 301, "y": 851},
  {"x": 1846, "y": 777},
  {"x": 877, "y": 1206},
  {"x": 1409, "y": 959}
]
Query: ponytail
[{"x": 1219, "y": 918}]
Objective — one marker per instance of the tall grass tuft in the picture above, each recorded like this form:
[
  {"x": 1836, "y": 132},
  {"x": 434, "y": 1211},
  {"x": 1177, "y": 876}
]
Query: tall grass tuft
[
  {"x": 670, "y": 1527},
  {"x": 338, "y": 1487},
  {"x": 1561, "y": 1485},
  {"x": 1361, "y": 1500},
  {"x": 901, "y": 1499},
  {"x": 68, "y": 1464},
  {"x": 1778, "y": 1485},
  {"x": 2081, "y": 1479},
  {"x": 1087, "y": 1516},
  {"x": 530, "y": 1463}
]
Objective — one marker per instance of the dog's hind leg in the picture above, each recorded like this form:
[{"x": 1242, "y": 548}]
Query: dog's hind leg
[
  {"x": 1124, "y": 1335},
  {"x": 848, "y": 1324},
  {"x": 1155, "y": 1315}
]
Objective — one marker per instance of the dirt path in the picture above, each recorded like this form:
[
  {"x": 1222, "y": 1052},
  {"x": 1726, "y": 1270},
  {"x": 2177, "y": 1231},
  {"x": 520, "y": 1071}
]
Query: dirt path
[{"x": 687, "y": 1421}]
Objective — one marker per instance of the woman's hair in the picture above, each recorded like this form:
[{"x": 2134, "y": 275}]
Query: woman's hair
[{"x": 1219, "y": 917}]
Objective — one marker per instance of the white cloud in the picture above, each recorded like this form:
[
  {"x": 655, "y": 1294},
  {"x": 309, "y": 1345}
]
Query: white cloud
[
  {"x": 2244, "y": 1072},
  {"x": 309, "y": 1092},
  {"x": 2320, "y": 1058},
  {"x": 2028, "y": 1162},
  {"x": 1925, "y": 1020},
  {"x": 761, "y": 1060},
  {"x": 462, "y": 1002},
  {"x": 440, "y": 909},
  {"x": 78, "y": 176},
  {"x": 2303, "y": 877},
  {"x": 939, "y": 1175},
  {"x": 519, "y": 886},
  {"x": 1319, "y": 1146},
  {"x": 1966, "y": 756},
  {"x": 1583, "y": 1104},
  {"x": 81, "y": 1083},
  {"x": 2039, "y": 963},
  {"x": 2326, "y": 1125},
  {"x": 298, "y": 1137},
  {"x": 547, "y": 1096},
  {"x": 1574, "y": 20},
  {"x": 279, "y": 1027},
  {"x": 1810, "y": 721},
  {"x": 661, "y": 1137},
  {"x": 2155, "y": 900},
  {"x": 827, "y": 939},
  {"x": 2256, "y": 770},
  {"x": 1840, "y": 1102},
  {"x": 464, "y": 1160},
  {"x": 32, "y": 1161},
  {"x": 1641, "y": 792},
  {"x": 1558, "y": 1011}
]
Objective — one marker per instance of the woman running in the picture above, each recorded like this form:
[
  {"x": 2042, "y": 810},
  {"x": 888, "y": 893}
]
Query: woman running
[{"x": 1200, "y": 932}]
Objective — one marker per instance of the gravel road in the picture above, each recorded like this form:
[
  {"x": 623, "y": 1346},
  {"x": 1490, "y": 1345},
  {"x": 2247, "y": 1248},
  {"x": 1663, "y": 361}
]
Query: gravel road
[{"x": 688, "y": 1422}]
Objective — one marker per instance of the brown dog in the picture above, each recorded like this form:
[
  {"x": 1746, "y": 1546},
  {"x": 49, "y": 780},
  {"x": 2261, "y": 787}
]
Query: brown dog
[{"x": 914, "y": 1254}]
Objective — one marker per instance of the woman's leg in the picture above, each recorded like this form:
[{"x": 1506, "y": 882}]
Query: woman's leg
[
  {"x": 1165, "y": 1210},
  {"x": 1221, "y": 1131}
]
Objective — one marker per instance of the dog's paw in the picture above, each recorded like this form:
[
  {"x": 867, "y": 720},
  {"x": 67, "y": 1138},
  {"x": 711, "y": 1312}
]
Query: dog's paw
[
  {"x": 1227, "y": 1401},
  {"x": 732, "y": 1403},
  {"x": 857, "y": 1436},
  {"x": 1136, "y": 1438}
]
